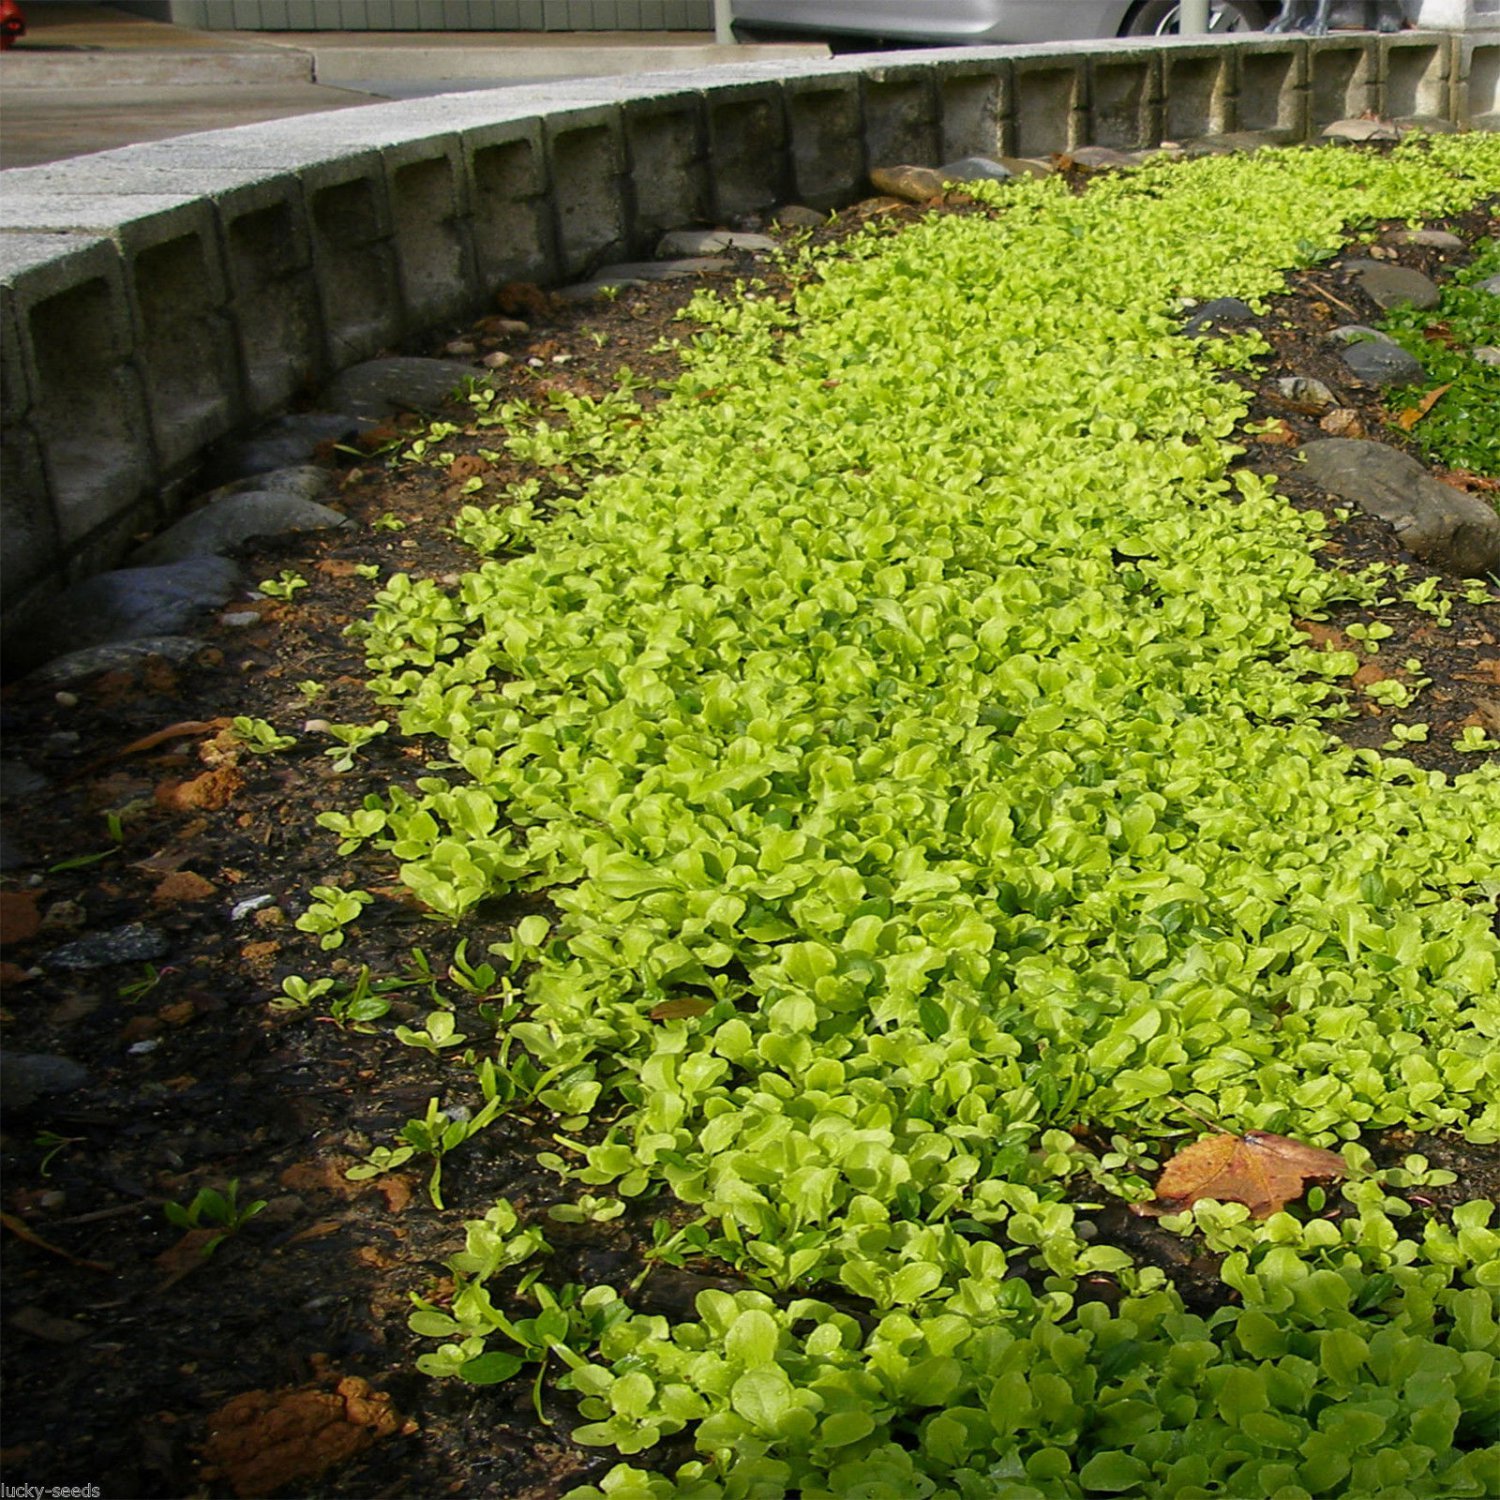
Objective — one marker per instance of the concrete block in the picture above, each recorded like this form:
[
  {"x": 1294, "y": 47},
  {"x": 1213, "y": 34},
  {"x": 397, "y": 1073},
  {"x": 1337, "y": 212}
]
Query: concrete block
[
  {"x": 1049, "y": 99},
  {"x": 1343, "y": 74},
  {"x": 826, "y": 142},
  {"x": 354, "y": 256},
  {"x": 27, "y": 521},
  {"x": 1480, "y": 83},
  {"x": 974, "y": 104},
  {"x": 429, "y": 187},
  {"x": 747, "y": 142},
  {"x": 1415, "y": 77},
  {"x": 1125, "y": 100},
  {"x": 1198, "y": 88},
  {"x": 1272, "y": 93},
  {"x": 274, "y": 302},
  {"x": 901, "y": 116},
  {"x": 509, "y": 215},
  {"x": 666, "y": 149},
  {"x": 585, "y": 156},
  {"x": 70, "y": 313}
]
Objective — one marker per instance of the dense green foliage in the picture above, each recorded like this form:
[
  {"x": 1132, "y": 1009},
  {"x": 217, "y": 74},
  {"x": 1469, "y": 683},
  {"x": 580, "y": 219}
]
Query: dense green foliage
[
  {"x": 1463, "y": 428},
  {"x": 921, "y": 693}
]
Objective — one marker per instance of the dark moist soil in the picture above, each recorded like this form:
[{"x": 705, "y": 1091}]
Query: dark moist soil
[{"x": 124, "y": 1345}]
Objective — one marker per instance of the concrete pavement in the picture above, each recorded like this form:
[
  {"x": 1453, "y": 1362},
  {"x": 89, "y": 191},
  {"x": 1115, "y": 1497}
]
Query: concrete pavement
[{"x": 88, "y": 78}]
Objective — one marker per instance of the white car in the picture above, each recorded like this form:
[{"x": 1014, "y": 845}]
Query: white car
[{"x": 987, "y": 22}]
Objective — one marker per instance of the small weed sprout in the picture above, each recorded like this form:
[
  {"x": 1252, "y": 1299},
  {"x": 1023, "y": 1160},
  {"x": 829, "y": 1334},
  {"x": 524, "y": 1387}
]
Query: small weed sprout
[
  {"x": 260, "y": 737},
  {"x": 331, "y": 911},
  {"x": 285, "y": 586},
  {"x": 213, "y": 1208}
]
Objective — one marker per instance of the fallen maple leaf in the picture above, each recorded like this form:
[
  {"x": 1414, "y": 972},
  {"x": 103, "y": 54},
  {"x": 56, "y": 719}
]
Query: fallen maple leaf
[
  {"x": 1414, "y": 414},
  {"x": 1262, "y": 1171},
  {"x": 681, "y": 1009}
]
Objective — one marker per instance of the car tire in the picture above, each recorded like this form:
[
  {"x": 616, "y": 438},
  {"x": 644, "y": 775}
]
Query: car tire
[{"x": 1159, "y": 17}]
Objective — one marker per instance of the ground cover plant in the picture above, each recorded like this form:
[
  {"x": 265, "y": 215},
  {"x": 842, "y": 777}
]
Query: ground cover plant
[
  {"x": 1461, "y": 426},
  {"x": 912, "y": 734},
  {"x": 877, "y": 799}
]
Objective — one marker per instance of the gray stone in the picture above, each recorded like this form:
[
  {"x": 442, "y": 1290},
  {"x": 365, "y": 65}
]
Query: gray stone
[
  {"x": 1305, "y": 393},
  {"x": 224, "y": 524},
  {"x": 1358, "y": 333},
  {"x": 1103, "y": 156},
  {"x": 1361, "y": 130},
  {"x": 680, "y": 242},
  {"x": 26, "y": 1076},
  {"x": 1026, "y": 166},
  {"x": 379, "y": 388},
  {"x": 1394, "y": 286},
  {"x": 1490, "y": 284},
  {"x": 1379, "y": 362},
  {"x": 14, "y": 855},
  {"x": 797, "y": 216},
  {"x": 77, "y": 665},
  {"x": 1434, "y": 239},
  {"x": 588, "y": 291},
  {"x": 249, "y": 906},
  {"x": 305, "y": 481},
  {"x": 975, "y": 169},
  {"x": 1487, "y": 354},
  {"x": 131, "y": 944},
  {"x": 1447, "y": 527},
  {"x": 1235, "y": 143},
  {"x": 662, "y": 270},
  {"x": 18, "y": 781},
  {"x": 128, "y": 603},
  {"x": 288, "y": 440},
  {"x": 1214, "y": 314},
  {"x": 914, "y": 184}
]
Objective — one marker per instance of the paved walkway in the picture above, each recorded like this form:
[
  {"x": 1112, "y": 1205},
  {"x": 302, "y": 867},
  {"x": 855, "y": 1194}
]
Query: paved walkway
[{"x": 89, "y": 78}]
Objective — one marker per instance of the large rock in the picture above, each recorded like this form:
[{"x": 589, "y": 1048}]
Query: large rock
[
  {"x": 1219, "y": 313},
  {"x": 288, "y": 440},
  {"x": 133, "y": 943},
  {"x": 127, "y": 603},
  {"x": 1490, "y": 284},
  {"x": 223, "y": 525},
  {"x": 1394, "y": 286},
  {"x": 914, "y": 184},
  {"x": 676, "y": 243},
  {"x": 1447, "y": 527},
  {"x": 120, "y": 655},
  {"x": 1361, "y": 130},
  {"x": 975, "y": 169},
  {"x": 637, "y": 271},
  {"x": 379, "y": 388},
  {"x": 1379, "y": 362},
  {"x": 26, "y": 1076}
]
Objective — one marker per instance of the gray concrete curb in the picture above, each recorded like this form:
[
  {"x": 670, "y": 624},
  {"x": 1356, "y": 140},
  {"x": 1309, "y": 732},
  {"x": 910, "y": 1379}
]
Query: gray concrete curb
[{"x": 161, "y": 297}]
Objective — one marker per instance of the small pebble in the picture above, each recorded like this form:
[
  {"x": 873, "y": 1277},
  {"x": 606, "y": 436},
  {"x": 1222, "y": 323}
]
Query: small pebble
[
  {"x": 495, "y": 361},
  {"x": 141, "y": 1049},
  {"x": 240, "y": 618},
  {"x": 65, "y": 700},
  {"x": 315, "y": 726},
  {"x": 459, "y": 346},
  {"x": 242, "y": 909}
]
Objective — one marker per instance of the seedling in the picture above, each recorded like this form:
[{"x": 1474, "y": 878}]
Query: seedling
[
  {"x": 331, "y": 911},
  {"x": 388, "y": 522},
  {"x": 352, "y": 739},
  {"x": 51, "y": 1144},
  {"x": 298, "y": 993},
  {"x": 311, "y": 690},
  {"x": 261, "y": 738},
  {"x": 285, "y": 586},
  {"x": 213, "y": 1208}
]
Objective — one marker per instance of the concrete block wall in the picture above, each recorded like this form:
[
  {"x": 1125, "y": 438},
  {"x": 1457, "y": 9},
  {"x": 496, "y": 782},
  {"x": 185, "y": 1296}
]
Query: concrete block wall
[
  {"x": 159, "y": 298},
  {"x": 432, "y": 15}
]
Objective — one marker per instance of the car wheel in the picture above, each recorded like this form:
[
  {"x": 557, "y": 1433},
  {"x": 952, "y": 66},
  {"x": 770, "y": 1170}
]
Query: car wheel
[{"x": 1159, "y": 17}]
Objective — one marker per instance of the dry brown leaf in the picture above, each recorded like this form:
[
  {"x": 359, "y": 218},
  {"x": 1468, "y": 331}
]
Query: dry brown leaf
[
  {"x": 19, "y": 918},
  {"x": 395, "y": 1190},
  {"x": 677, "y": 1010},
  {"x": 210, "y": 792},
  {"x": 23, "y": 1231},
  {"x": 321, "y": 1177},
  {"x": 1278, "y": 434},
  {"x": 187, "y": 729},
  {"x": 182, "y": 885},
  {"x": 1368, "y": 673},
  {"x": 13, "y": 974},
  {"x": 1409, "y": 418},
  {"x": 261, "y": 1442},
  {"x": 319, "y": 1231},
  {"x": 1262, "y": 1171},
  {"x": 337, "y": 567}
]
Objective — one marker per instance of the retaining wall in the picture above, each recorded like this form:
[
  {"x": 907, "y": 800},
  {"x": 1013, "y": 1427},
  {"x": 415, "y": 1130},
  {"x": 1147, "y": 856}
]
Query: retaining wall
[{"x": 161, "y": 297}]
